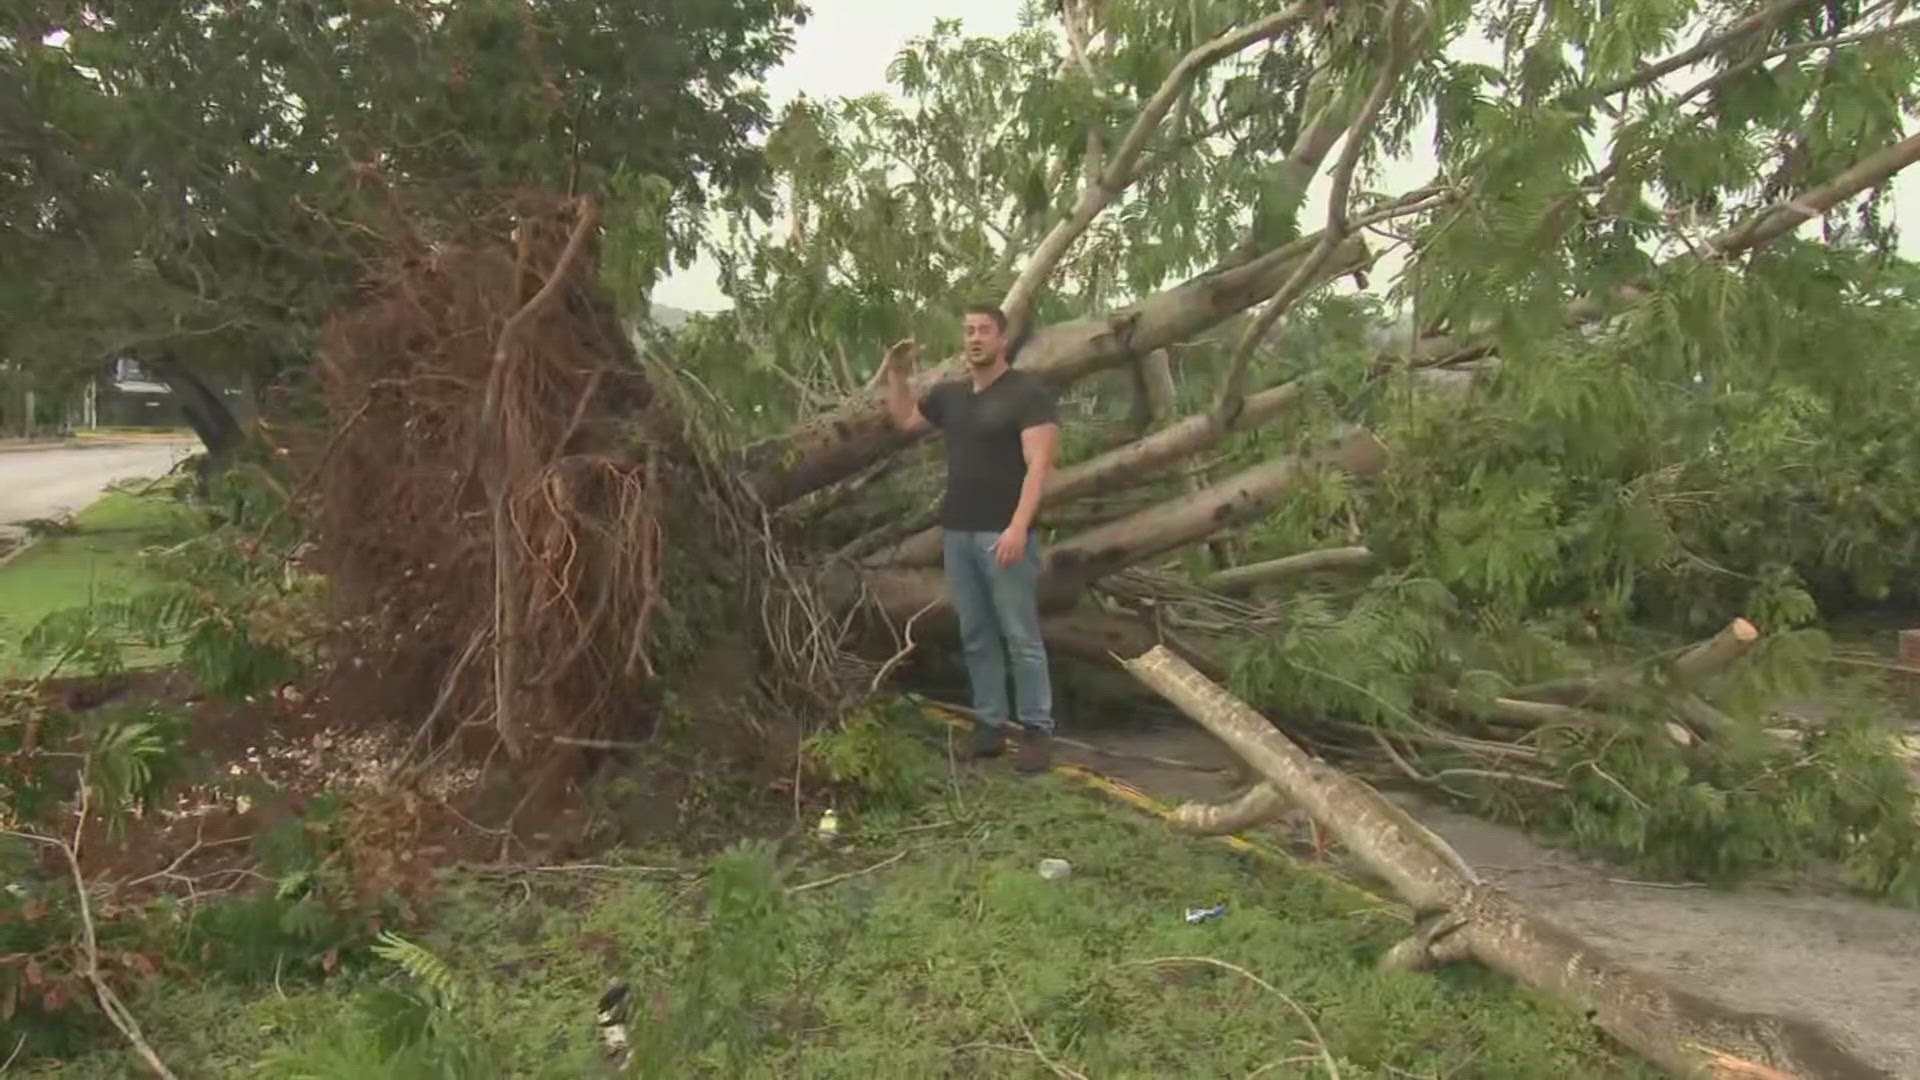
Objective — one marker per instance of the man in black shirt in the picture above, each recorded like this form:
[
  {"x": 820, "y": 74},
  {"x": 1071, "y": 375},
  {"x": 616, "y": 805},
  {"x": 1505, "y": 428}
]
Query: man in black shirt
[{"x": 1002, "y": 432}]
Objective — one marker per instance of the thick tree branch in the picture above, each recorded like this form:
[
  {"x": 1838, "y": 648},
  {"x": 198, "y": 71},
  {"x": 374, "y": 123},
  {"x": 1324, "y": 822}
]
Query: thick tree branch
[
  {"x": 1257, "y": 805},
  {"x": 832, "y": 447},
  {"x": 1101, "y": 190},
  {"x": 1777, "y": 221},
  {"x": 1465, "y": 918},
  {"x": 1240, "y": 578},
  {"x": 1119, "y": 468},
  {"x": 1174, "y": 524}
]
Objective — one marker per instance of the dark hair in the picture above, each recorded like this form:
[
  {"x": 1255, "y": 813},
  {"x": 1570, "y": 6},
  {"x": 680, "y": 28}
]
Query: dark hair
[{"x": 999, "y": 317}]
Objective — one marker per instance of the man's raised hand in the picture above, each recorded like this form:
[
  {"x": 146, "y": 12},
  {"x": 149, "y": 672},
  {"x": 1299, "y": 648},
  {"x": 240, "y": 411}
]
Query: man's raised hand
[{"x": 902, "y": 358}]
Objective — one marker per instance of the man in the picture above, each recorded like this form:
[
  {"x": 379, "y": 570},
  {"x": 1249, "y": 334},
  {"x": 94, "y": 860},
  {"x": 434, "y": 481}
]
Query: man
[{"x": 1002, "y": 432}]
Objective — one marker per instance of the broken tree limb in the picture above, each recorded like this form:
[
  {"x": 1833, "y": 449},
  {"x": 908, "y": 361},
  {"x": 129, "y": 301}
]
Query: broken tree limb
[
  {"x": 1241, "y": 578},
  {"x": 1529, "y": 713},
  {"x": 1464, "y": 918},
  {"x": 834, "y": 446},
  {"x": 1711, "y": 656},
  {"x": 1117, "y": 468},
  {"x": 1154, "y": 531},
  {"x": 1613, "y": 687},
  {"x": 1257, "y": 805}
]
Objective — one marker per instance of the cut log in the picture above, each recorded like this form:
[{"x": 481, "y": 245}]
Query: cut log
[
  {"x": 1241, "y": 578},
  {"x": 1116, "y": 469},
  {"x": 1692, "y": 667},
  {"x": 1464, "y": 918},
  {"x": 830, "y": 448},
  {"x": 1712, "y": 656},
  {"x": 1242, "y": 497}
]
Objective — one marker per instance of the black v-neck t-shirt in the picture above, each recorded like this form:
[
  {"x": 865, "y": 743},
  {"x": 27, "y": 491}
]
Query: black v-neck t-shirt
[{"x": 985, "y": 465}]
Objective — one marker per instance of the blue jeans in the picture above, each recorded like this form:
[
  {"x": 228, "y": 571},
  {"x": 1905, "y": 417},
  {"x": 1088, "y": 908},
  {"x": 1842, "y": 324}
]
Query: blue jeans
[{"x": 999, "y": 612}]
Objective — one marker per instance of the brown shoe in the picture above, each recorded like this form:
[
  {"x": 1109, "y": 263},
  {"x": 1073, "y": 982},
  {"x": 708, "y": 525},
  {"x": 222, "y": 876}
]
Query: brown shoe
[
  {"x": 989, "y": 740},
  {"x": 1036, "y": 753}
]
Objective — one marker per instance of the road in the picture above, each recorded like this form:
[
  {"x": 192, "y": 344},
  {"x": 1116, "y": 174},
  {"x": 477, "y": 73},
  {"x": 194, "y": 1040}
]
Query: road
[{"x": 62, "y": 479}]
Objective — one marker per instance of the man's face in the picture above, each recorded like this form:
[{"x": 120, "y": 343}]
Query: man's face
[{"x": 983, "y": 339}]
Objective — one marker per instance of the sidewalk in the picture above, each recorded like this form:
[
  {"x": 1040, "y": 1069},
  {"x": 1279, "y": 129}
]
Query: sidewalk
[{"x": 88, "y": 440}]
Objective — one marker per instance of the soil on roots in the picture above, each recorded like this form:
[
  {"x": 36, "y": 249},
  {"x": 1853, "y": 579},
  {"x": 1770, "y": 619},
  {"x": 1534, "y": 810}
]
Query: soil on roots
[{"x": 504, "y": 489}]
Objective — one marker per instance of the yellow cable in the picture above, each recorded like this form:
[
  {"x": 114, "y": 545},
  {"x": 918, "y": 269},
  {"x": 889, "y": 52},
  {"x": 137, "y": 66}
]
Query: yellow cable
[{"x": 1127, "y": 792}]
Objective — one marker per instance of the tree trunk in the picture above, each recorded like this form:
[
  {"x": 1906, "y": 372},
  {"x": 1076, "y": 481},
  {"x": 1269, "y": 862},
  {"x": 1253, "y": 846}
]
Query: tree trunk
[
  {"x": 832, "y": 447},
  {"x": 1117, "y": 469},
  {"x": 1464, "y": 918},
  {"x": 1101, "y": 551},
  {"x": 212, "y": 421}
]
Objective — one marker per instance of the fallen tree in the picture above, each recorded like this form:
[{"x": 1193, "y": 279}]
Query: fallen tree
[
  {"x": 1511, "y": 510},
  {"x": 1460, "y": 917}
]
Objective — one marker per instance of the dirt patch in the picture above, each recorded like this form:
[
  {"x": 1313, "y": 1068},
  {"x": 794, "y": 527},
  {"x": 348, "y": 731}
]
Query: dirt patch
[{"x": 1847, "y": 964}]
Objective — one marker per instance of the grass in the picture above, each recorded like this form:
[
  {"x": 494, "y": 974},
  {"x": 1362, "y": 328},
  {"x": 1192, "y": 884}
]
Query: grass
[
  {"x": 940, "y": 952},
  {"x": 99, "y": 560}
]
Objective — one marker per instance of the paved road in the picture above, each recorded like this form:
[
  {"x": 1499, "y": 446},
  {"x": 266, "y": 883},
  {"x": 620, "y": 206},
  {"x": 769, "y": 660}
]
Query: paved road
[{"x": 63, "y": 479}]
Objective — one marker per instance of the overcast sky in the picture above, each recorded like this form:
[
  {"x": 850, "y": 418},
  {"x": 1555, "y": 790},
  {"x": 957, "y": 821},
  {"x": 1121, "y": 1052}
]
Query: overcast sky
[{"x": 846, "y": 45}]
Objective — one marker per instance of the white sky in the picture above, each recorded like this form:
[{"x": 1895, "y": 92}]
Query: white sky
[{"x": 846, "y": 45}]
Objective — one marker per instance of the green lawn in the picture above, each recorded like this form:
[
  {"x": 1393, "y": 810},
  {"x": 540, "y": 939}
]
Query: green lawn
[
  {"x": 940, "y": 952},
  {"x": 101, "y": 559}
]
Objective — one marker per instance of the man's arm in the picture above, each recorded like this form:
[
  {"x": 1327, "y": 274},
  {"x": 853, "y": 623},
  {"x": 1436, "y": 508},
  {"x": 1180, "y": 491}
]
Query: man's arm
[
  {"x": 901, "y": 408},
  {"x": 1038, "y": 444}
]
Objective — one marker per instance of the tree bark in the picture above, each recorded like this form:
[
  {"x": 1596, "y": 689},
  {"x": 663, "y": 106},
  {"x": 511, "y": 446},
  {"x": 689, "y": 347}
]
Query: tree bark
[
  {"x": 1117, "y": 469},
  {"x": 1692, "y": 667},
  {"x": 212, "y": 421},
  {"x": 832, "y": 447},
  {"x": 1101, "y": 551},
  {"x": 1465, "y": 918},
  {"x": 1241, "y": 578}
]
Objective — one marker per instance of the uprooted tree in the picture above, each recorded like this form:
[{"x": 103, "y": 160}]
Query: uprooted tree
[
  {"x": 1480, "y": 503},
  {"x": 1539, "y": 512}
]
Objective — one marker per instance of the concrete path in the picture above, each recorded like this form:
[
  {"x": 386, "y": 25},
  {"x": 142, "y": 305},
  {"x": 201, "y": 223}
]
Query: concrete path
[
  {"x": 45, "y": 483},
  {"x": 1796, "y": 949}
]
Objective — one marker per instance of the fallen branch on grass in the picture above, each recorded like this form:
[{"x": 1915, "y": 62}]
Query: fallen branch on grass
[
  {"x": 1463, "y": 918},
  {"x": 116, "y": 1010},
  {"x": 837, "y": 878}
]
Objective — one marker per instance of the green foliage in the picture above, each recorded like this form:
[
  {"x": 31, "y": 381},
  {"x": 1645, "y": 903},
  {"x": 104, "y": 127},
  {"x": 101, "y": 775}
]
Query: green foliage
[
  {"x": 202, "y": 182},
  {"x": 240, "y": 615},
  {"x": 1837, "y": 798},
  {"x": 909, "y": 970},
  {"x": 873, "y": 751}
]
